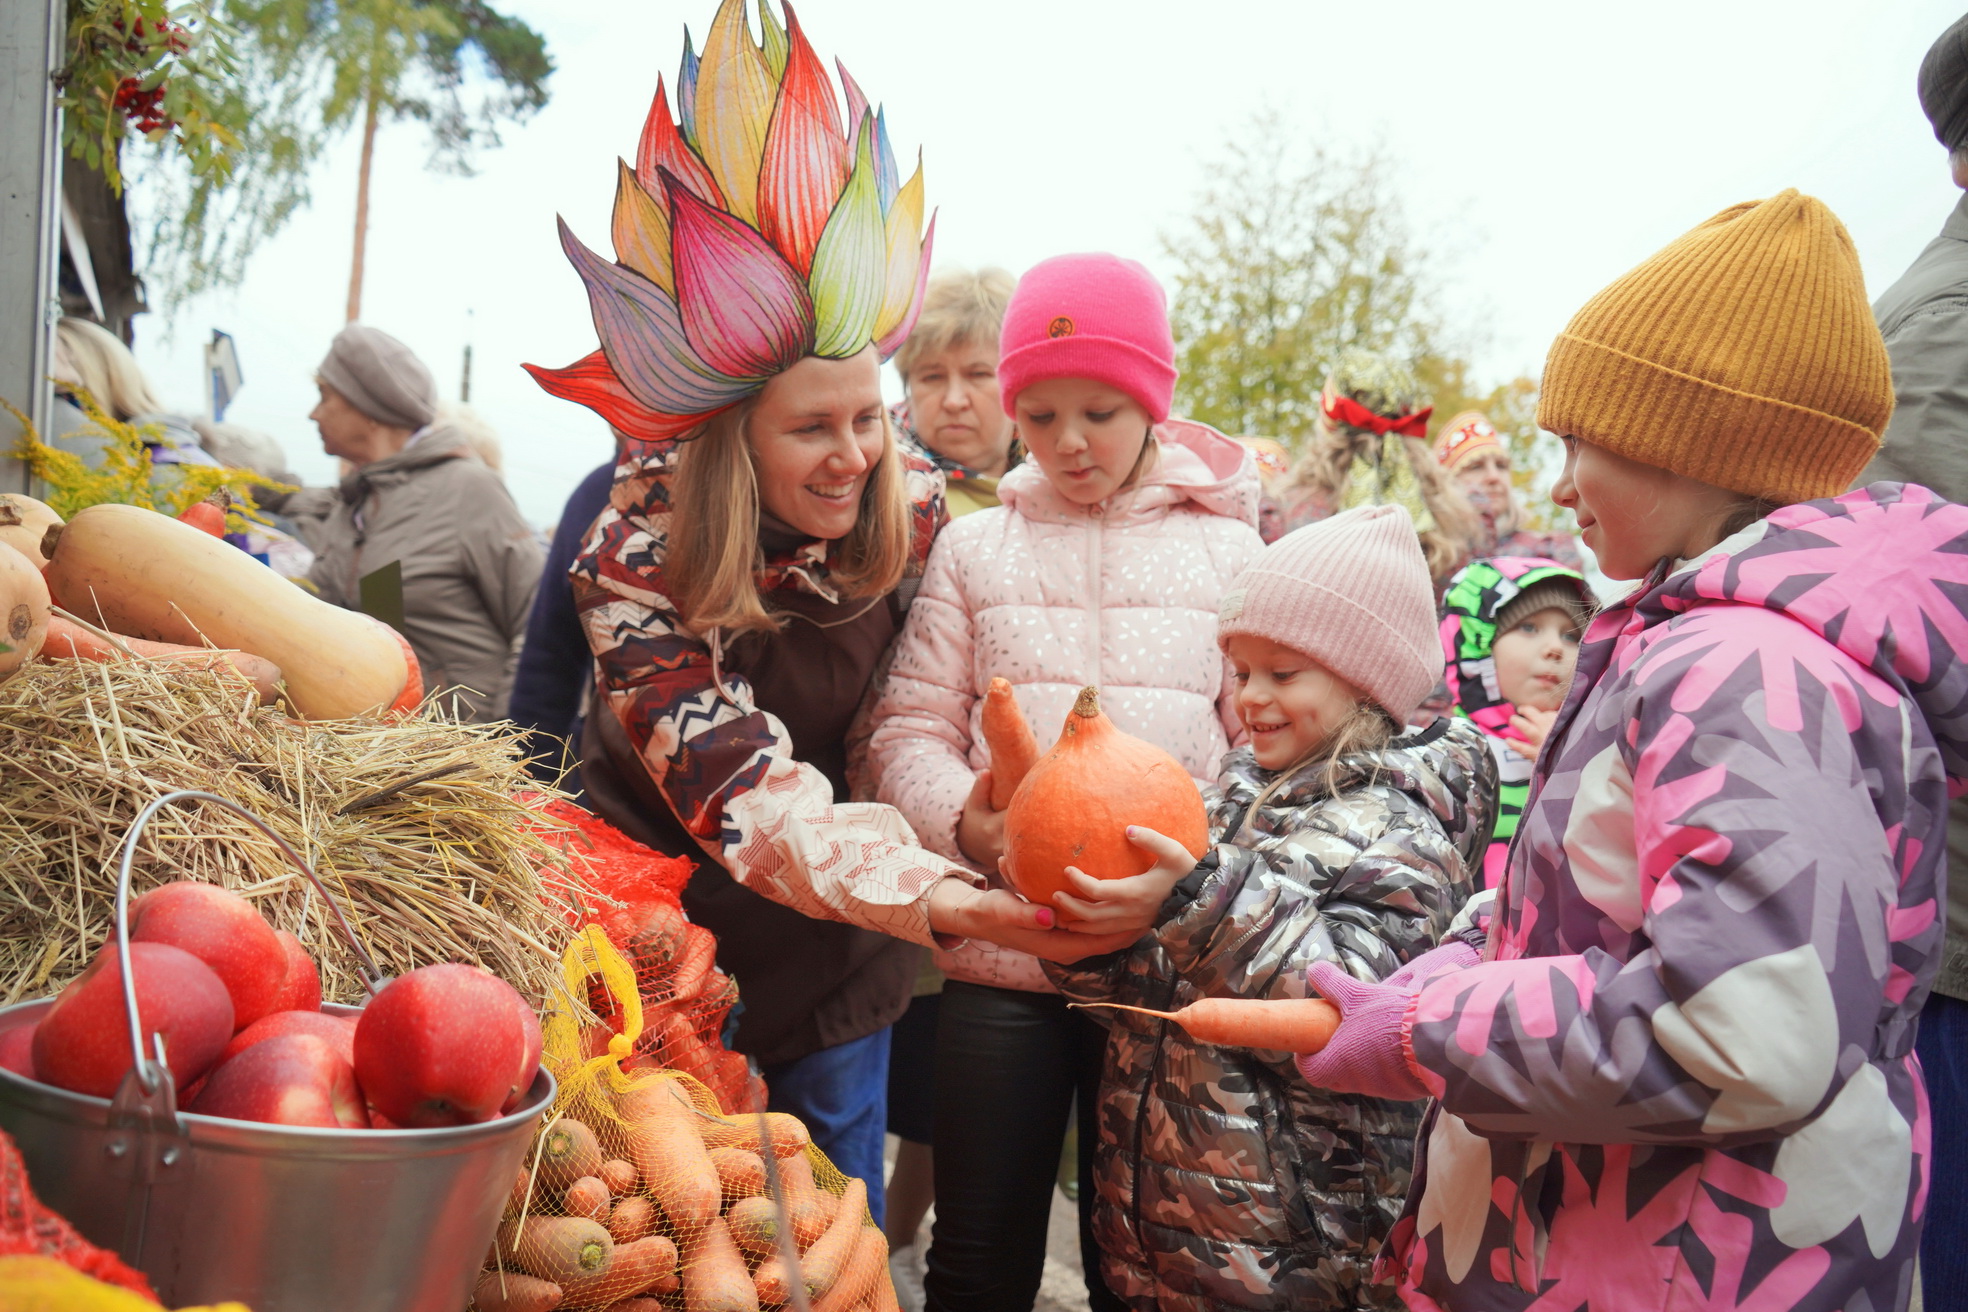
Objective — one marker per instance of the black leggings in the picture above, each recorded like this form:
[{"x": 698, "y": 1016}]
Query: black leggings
[{"x": 1008, "y": 1066}]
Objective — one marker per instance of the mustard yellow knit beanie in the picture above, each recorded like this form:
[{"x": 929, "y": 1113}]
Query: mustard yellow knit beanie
[{"x": 1742, "y": 355}]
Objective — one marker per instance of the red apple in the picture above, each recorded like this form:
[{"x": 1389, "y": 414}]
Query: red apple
[
  {"x": 337, "y": 1031},
  {"x": 83, "y": 1042},
  {"x": 529, "y": 1062},
  {"x": 17, "y": 1050},
  {"x": 300, "y": 990},
  {"x": 295, "y": 1079},
  {"x": 222, "y": 930},
  {"x": 440, "y": 1046}
]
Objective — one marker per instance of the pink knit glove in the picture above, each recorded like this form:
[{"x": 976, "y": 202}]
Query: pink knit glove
[
  {"x": 1366, "y": 1054},
  {"x": 1452, "y": 955}
]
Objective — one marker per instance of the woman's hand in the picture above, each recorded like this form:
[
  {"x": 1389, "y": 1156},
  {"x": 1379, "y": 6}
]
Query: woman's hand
[
  {"x": 980, "y": 830},
  {"x": 1130, "y": 905},
  {"x": 996, "y": 915},
  {"x": 1535, "y": 725}
]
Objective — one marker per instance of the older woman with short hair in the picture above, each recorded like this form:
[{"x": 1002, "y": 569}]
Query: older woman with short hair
[
  {"x": 949, "y": 367},
  {"x": 417, "y": 496}
]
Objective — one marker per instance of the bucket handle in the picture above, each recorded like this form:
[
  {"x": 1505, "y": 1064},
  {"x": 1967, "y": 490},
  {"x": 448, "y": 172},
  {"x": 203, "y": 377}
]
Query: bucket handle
[{"x": 150, "y": 1079}]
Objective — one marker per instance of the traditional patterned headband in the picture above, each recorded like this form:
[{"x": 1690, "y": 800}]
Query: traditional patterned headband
[
  {"x": 754, "y": 232},
  {"x": 1468, "y": 433}
]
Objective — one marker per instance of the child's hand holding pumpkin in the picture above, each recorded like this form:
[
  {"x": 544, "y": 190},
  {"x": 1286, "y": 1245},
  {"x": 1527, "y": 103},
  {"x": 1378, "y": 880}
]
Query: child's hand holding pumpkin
[{"x": 1125, "y": 906}]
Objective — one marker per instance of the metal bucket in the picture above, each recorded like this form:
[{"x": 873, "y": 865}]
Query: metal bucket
[{"x": 280, "y": 1218}]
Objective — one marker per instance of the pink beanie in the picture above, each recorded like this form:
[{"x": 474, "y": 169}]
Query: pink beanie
[
  {"x": 1353, "y": 593},
  {"x": 1089, "y": 316}
]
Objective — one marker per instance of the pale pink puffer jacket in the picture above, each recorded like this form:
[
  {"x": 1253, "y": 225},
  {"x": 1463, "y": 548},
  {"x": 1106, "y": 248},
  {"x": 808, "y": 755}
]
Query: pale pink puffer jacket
[{"x": 1053, "y": 596}]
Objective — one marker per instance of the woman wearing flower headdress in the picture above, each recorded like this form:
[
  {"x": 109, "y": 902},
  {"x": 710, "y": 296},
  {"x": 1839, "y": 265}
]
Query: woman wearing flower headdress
[
  {"x": 763, "y": 536},
  {"x": 1370, "y": 448}
]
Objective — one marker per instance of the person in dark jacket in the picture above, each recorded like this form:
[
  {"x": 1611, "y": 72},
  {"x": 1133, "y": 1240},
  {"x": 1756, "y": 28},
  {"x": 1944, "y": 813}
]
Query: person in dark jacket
[
  {"x": 555, "y": 665},
  {"x": 1924, "y": 318}
]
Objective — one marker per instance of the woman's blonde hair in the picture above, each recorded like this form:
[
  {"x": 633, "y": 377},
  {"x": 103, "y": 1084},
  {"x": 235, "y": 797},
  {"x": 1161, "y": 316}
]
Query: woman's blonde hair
[
  {"x": 1366, "y": 730},
  {"x": 106, "y": 369},
  {"x": 713, "y": 558},
  {"x": 961, "y": 305},
  {"x": 477, "y": 432}
]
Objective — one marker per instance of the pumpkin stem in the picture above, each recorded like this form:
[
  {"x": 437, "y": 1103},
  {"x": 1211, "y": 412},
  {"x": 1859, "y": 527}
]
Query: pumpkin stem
[
  {"x": 49, "y": 539},
  {"x": 1088, "y": 705}
]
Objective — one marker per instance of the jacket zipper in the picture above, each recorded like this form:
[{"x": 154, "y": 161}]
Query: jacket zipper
[{"x": 1094, "y": 545}]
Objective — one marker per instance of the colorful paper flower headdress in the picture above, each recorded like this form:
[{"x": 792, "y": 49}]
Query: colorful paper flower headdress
[{"x": 755, "y": 231}]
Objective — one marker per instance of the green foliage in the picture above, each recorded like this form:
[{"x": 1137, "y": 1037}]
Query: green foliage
[
  {"x": 298, "y": 72},
  {"x": 127, "y": 475},
  {"x": 1296, "y": 254},
  {"x": 148, "y": 70}
]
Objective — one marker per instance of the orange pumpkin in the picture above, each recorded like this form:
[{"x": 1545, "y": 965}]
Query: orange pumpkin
[{"x": 1076, "y": 802}]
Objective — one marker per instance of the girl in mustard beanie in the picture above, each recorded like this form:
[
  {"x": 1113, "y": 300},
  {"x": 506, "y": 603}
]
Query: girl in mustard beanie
[
  {"x": 1677, "y": 1070},
  {"x": 1338, "y": 837}
]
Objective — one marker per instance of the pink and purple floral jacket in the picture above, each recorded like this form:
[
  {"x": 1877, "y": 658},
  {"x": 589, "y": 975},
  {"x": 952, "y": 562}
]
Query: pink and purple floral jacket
[{"x": 1683, "y": 1076}]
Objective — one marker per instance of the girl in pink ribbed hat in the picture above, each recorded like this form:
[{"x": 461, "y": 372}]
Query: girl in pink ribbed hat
[
  {"x": 1339, "y": 837},
  {"x": 1105, "y": 564}
]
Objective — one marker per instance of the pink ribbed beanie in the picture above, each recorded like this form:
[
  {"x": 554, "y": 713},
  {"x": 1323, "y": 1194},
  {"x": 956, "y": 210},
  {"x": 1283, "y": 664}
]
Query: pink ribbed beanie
[
  {"x": 1089, "y": 316},
  {"x": 1353, "y": 593}
]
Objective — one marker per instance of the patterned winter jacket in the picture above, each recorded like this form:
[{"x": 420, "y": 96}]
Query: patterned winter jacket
[
  {"x": 725, "y": 767},
  {"x": 1685, "y": 1077},
  {"x": 1054, "y": 596},
  {"x": 1224, "y": 1180}
]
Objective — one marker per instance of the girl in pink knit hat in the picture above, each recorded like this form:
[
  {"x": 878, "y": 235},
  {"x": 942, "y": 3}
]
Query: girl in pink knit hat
[
  {"x": 1226, "y": 1181},
  {"x": 1104, "y": 565}
]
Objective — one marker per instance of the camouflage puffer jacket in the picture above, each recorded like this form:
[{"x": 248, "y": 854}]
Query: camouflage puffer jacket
[{"x": 1225, "y": 1181}]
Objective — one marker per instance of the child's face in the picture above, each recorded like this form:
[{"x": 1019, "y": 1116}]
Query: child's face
[
  {"x": 1633, "y": 516},
  {"x": 1289, "y": 703},
  {"x": 1086, "y": 436},
  {"x": 1535, "y": 659}
]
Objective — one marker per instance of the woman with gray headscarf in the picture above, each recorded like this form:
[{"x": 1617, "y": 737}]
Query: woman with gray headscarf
[{"x": 417, "y": 497}]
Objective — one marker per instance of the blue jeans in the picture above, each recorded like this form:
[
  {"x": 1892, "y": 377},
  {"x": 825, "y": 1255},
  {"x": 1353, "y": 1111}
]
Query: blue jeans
[
  {"x": 1943, "y": 1048},
  {"x": 841, "y": 1093}
]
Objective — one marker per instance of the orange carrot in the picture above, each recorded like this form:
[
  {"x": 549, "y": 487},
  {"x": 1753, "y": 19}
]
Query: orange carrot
[
  {"x": 618, "y": 1175},
  {"x": 774, "y": 1286},
  {"x": 1272, "y": 1025},
  {"x": 788, "y": 1134},
  {"x": 828, "y": 1257},
  {"x": 802, "y": 1200},
  {"x": 636, "y": 1266},
  {"x": 1009, "y": 740},
  {"x": 588, "y": 1197},
  {"x": 68, "y": 640},
  {"x": 868, "y": 1265},
  {"x": 741, "y": 1173},
  {"x": 715, "y": 1279},
  {"x": 632, "y": 1218},
  {"x": 754, "y": 1225},
  {"x": 670, "y": 1154},
  {"x": 509, "y": 1291}
]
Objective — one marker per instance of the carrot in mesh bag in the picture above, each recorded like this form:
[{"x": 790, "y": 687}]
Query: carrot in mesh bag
[
  {"x": 641, "y": 1194},
  {"x": 686, "y": 997}
]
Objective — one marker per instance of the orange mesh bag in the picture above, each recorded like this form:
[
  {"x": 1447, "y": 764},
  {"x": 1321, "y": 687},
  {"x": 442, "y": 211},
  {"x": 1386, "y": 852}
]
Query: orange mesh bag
[
  {"x": 685, "y": 997},
  {"x": 641, "y": 1193}
]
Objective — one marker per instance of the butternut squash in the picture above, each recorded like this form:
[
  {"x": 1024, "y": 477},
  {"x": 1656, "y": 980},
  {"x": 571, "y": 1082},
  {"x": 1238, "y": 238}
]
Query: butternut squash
[
  {"x": 23, "y": 523},
  {"x": 23, "y": 610},
  {"x": 144, "y": 574}
]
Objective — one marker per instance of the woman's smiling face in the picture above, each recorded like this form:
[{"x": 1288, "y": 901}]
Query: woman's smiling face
[{"x": 817, "y": 432}]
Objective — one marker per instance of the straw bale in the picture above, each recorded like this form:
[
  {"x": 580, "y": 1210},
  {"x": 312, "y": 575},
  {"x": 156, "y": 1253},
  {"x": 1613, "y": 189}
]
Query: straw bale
[{"x": 415, "y": 824}]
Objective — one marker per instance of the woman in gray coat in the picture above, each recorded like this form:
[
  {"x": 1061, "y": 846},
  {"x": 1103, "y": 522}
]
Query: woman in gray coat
[{"x": 418, "y": 498}]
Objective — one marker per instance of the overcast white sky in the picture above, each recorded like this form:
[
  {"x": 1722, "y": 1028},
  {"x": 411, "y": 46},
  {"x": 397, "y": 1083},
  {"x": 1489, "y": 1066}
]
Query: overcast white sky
[{"x": 1545, "y": 147}]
